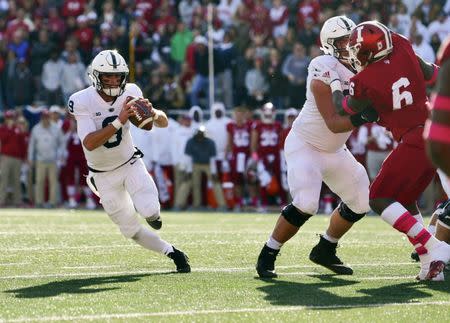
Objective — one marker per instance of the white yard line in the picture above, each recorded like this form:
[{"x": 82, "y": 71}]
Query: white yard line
[
  {"x": 62, "y": 248},
  {"x": 14, "y": 263},
  {"x": 206, "y": 270},
  {"x": 215, "y": 311},
  {"x": 191, "y": 243}
]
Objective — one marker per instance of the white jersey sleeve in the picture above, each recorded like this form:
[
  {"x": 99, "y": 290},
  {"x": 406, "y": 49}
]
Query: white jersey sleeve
[
  {"x": 85, "y": 124},
  {"x": 309, "y": 125}
]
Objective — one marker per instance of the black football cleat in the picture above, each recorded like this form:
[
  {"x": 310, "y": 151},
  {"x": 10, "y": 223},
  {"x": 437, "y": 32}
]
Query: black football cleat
[
  {"x": 324, "y": 254},
  {"x": 415, "y": 256},
  {"x": 181, "y": 260},
  {"x": 155, "y": 224},
  {"x": 265, "y": 267}
]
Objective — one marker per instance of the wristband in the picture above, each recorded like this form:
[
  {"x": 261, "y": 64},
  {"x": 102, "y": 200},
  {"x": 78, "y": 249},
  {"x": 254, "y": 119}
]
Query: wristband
[
  {"x": 335, "y": 85},
  {"x": 117, "y": 124},
  {"x": 346, "y": 107}
]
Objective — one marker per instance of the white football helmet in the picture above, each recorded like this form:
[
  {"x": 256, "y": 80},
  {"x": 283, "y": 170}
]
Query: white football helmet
[
  {"x": 108, "y": 62},
  {"x": 268, "y": 113},
  {"x": 332, "y": 30}
]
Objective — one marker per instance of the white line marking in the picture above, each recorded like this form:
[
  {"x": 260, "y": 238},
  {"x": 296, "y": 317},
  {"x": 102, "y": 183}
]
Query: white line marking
[
  {"x": 216, "y": 311},
  {"x": 215, "y": 242},
  {"x": 62, "y": 248},
  {"x": 14, "y": 263},
  {"x": 205, "y": 270}
]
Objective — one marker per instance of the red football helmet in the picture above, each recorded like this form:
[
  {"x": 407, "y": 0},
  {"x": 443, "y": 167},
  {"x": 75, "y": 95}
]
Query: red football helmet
[{"x": 369, "y": 42}]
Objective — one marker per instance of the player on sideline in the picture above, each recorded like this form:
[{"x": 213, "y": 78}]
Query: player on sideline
[
  {"x": 116, "y": 171},
  {"x": 315, "y": 153},
  {"x": 437, "y": 135},
  {"x": 391, "y": 78}
]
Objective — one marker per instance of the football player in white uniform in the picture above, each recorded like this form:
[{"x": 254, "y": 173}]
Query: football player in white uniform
[
  {"x": 315, "y": 151},
  {"x": 116, "y": 172}
]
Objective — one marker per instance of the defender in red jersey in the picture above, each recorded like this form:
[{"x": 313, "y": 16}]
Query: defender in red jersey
[
  {"x": 264, "y": 148},
  {"x": 437, "y": 132},
  {"x": 238, "y": 151},
  {"x": 391, "y": 79}
]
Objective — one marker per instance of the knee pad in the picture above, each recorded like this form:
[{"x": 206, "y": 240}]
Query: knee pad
[
  {"x": 294, "y": 216},
  {"x": 127, "y": 222},
  {"x": 348, "y": 214}
]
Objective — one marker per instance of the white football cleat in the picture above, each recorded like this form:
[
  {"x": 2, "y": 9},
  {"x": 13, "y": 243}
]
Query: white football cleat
[{"x": 432, "y": 264}]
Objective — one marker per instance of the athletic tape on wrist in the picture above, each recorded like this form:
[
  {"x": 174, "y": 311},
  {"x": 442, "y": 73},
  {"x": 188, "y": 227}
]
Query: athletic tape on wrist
[
  {"x": 117, "y": 124},
  {"x": 335, "y": 85}
]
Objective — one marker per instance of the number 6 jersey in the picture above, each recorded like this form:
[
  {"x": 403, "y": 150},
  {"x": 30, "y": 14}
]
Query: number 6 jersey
[
  {"x": 93, "y": 113},
  {"x": 395, "y": 86}
]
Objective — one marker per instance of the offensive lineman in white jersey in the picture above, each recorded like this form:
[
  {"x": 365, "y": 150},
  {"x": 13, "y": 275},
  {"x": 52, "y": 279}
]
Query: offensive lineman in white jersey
[
  {"x": 116, "y": 171},
  {"x": 314, "y": 153}
]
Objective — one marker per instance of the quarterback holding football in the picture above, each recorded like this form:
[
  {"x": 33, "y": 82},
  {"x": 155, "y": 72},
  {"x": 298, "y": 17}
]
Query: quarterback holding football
[{"x": 116, "y": 172}]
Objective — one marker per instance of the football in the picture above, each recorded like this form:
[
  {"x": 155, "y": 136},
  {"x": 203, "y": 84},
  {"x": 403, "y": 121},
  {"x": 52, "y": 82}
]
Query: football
[{"x": 143, "y": 118}]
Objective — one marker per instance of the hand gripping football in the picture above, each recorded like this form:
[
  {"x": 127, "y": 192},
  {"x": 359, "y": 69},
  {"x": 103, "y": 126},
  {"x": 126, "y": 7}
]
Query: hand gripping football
[{"x": 143, "y": 117}]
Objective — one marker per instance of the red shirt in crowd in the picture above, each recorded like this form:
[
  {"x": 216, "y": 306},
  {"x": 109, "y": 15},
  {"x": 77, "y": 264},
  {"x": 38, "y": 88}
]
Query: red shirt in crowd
[
  {"x": 73, "y": 8},
  {"x": 13, "y": 142}
]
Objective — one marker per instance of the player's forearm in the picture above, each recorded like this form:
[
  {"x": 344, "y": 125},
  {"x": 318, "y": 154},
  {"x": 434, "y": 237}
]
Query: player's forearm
[
  {"x": 99, "y": 137},
  {"x": 337, "y": 97},
  {"x": 160, "y": 119}
]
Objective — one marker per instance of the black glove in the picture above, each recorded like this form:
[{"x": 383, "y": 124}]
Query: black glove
[{"x": 367, "y": 115}]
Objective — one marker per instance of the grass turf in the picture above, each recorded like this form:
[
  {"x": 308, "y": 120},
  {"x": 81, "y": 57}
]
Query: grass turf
[{"x": 58, "y": 265}]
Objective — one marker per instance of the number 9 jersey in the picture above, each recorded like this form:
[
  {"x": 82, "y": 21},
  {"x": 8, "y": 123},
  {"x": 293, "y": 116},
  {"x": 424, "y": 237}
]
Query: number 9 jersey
[
  {"x": 396, "y": 88},
  {"x": 93, "y": 113}
]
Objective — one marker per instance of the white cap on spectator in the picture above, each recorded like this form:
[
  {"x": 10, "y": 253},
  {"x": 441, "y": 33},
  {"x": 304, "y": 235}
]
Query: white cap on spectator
[
  {"x": 81, "y": 18},
  {"x": 91, "y": 15},
  {"x": 199, "y": 39},
  {"x": 291, "y": 112},
  {"x": 55, "y": 108},
  {"x": 218, "y": 106},
  {"x": 105, "y": 26}
]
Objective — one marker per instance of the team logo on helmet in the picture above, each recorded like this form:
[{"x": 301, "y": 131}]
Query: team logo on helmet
[{"x": 369, "y": 42}]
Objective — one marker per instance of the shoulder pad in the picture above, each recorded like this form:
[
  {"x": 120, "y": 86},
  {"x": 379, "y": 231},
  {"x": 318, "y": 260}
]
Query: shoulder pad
[
  {"x": 75, "y": 105},
  {"x": 324, "y": 60},
  {"x": 133, "y": 90}
]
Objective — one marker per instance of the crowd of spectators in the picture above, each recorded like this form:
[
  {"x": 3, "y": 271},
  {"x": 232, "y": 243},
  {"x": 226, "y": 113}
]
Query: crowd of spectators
[{"x": 261, "y": 52}]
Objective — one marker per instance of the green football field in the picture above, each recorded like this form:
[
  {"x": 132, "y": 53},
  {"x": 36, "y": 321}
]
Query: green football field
[{"x": 59, "y": 265}]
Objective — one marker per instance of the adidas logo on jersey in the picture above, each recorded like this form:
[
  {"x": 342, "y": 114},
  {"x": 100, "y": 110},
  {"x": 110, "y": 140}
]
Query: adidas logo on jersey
[{"x": 98, "y": 114}]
